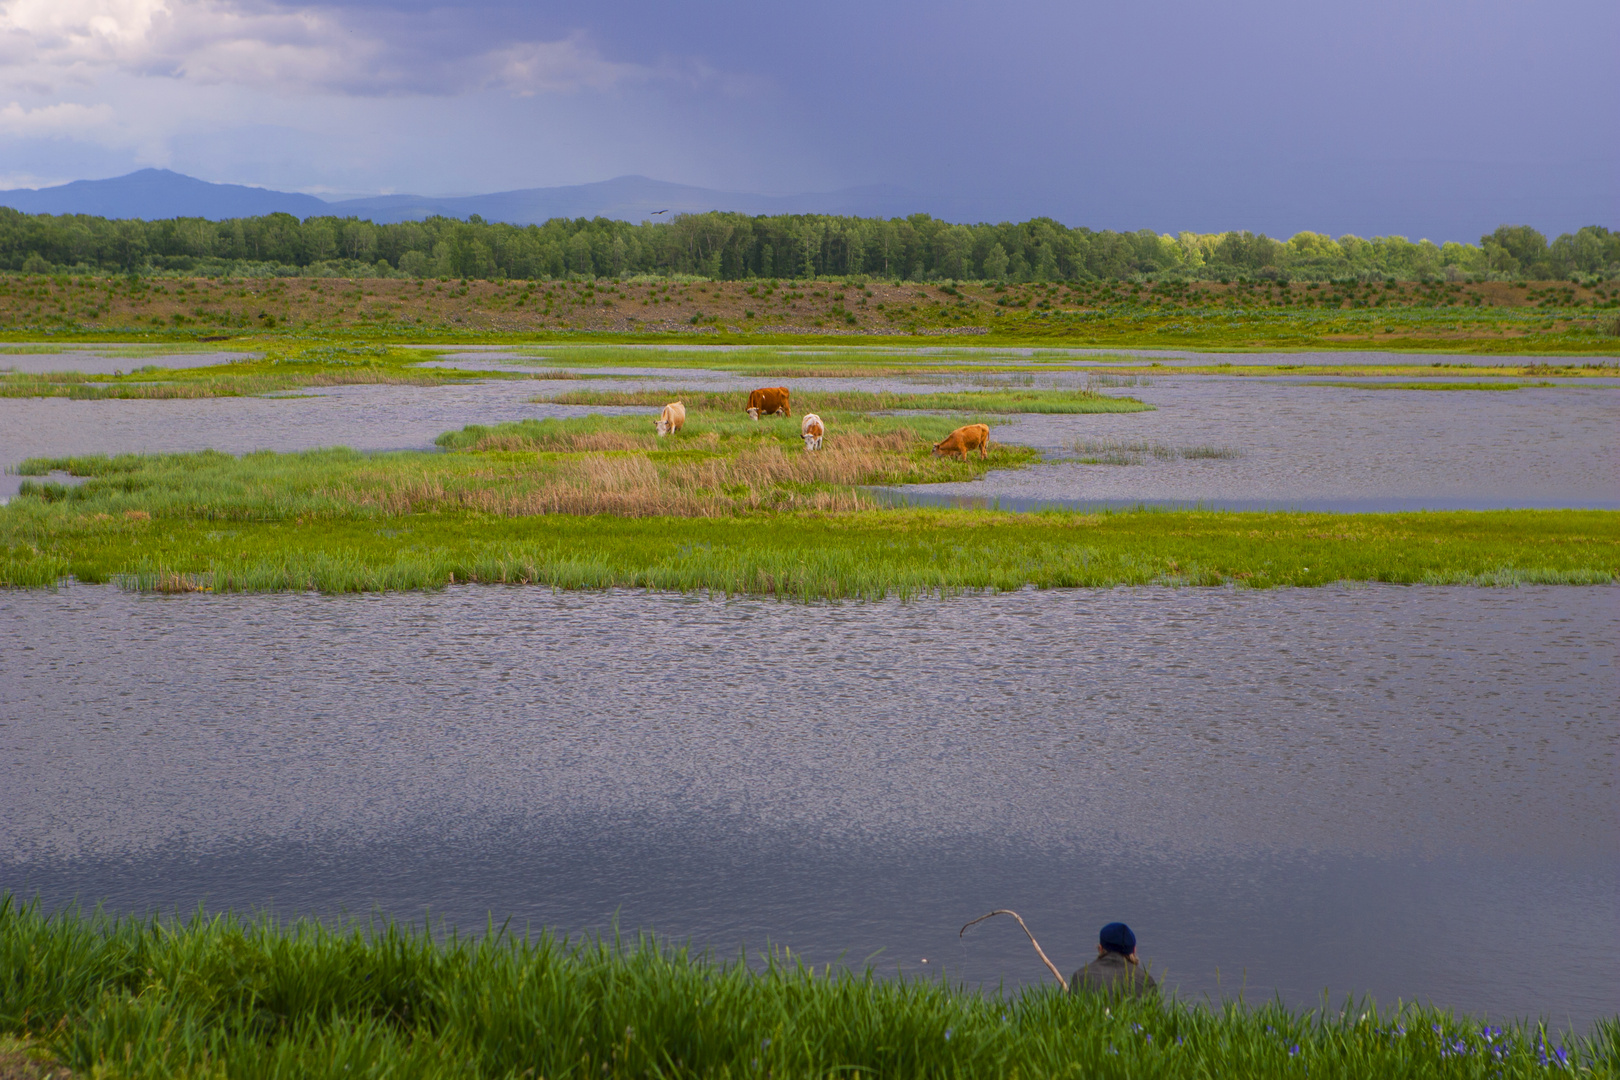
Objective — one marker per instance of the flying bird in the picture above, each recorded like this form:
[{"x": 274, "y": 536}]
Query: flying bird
[{"x": 657, "y": 212}]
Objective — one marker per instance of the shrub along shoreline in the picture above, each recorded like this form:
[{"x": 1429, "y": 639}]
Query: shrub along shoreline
[{"x": 225, "y": 995}]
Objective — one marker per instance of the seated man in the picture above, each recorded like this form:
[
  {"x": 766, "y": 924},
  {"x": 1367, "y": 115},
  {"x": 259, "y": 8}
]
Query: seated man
[{"x": 1116, "y": 967}]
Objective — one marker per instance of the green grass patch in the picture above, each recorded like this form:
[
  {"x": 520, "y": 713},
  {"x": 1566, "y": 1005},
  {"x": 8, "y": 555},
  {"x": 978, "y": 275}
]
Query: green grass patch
[
  {"x": 828, "y": 402},
  {"x": 1433, "y": 385},
  {"x": 830, "y": 359},
  {"x": 121, "y": 352},
  {"x": 225, "y": 996},
  {"x": 1138, "y": 451},
  {"x": 803, "y": 554},
  {"x": 273, "y": 369}
]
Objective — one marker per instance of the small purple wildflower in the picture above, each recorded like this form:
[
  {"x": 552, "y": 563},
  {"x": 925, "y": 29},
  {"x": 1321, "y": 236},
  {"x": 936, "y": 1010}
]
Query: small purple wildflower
[
  {"x": 947, "y": 1034},
  {"x": 1293, "y": 1051}
]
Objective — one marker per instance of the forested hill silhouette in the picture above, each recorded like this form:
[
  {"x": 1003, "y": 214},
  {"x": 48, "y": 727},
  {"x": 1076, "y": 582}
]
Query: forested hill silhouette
[{"x": 152, "y": 194}]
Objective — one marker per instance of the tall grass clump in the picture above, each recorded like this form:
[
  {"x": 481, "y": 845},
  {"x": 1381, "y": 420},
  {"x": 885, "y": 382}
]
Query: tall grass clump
[
  {"x": 1110, "y": 380},
  {"x": 231, "y": 996}
]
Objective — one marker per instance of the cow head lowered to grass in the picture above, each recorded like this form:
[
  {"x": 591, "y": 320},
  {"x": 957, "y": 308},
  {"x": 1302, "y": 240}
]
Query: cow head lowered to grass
[
  {"x": 768, "y": 401},
  {"x": 963, "y": 439},
  {"x": 672, "y": 419},
  {"x": 812, "y": 430}
]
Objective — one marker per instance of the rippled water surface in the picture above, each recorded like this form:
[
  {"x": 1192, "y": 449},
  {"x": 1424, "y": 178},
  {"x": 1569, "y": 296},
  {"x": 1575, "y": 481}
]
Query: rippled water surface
[
  {"x": 1386, "y": 790},
  {"x": 1309, "y": 445}
]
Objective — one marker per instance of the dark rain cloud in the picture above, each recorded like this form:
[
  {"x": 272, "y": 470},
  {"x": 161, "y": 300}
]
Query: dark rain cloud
[{"x": 1426, "y": 117}]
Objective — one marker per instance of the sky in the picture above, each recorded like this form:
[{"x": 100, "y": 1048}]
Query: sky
[{"x": 1423, "y": 118}]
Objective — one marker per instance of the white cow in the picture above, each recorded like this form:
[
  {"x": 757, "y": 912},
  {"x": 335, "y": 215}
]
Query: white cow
[
  {"x": 812, "y": 430},
  {"x": 672, "y": 419}
]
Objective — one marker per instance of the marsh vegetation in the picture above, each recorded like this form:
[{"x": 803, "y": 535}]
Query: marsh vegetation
[
  {"x": 335, "y": 521},
  {"x": 727, "y": 505},
  {"x": 1137, "y": 451},
  {"x": 275, "y": 368}
]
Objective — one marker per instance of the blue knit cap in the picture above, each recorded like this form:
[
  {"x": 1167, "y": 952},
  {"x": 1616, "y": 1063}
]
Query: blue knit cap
[{"x": 1117, "y": 937}]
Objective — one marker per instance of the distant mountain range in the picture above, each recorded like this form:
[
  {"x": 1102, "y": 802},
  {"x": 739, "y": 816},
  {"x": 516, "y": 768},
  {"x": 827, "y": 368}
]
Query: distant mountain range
[{"x": 153, "y": 194}]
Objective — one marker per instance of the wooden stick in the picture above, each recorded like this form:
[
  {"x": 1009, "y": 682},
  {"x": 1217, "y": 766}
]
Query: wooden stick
[{"x": 1056, "y": 974}]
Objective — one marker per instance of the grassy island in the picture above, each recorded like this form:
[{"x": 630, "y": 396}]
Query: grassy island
[
  {"x": 726, "y": 506},
  {"x": 226, "y": 996}
]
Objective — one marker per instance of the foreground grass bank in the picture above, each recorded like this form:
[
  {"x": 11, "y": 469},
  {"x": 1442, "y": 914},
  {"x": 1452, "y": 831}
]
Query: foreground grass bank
[{"x": 229, "y": 997}]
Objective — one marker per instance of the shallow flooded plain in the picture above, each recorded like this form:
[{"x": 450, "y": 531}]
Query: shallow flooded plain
[
  {"x": 1384, "y": 790},
  {"x": 1407, "y": 792},
  {"x": 1283, "y": 443}
]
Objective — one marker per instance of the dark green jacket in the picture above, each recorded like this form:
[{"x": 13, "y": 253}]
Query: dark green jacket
[{"x": 1112, "y": 971}]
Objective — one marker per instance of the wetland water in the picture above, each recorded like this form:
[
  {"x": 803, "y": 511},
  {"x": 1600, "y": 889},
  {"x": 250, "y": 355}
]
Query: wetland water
[
  {"x": 1397, "y": 790},
  {"x": 1300, "y": 445},
  {"x": 1402, "y": 791}
]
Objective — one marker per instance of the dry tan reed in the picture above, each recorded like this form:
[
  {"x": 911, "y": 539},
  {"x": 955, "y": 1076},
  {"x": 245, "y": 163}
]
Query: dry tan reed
[{"x": 636, "y": 483}]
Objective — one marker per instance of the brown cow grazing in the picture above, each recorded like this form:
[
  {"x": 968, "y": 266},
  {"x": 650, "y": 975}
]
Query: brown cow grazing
[
  {"x": 672, "y": 419},
  {"x": 963, "y": 439},
  {"x": 768, "y": 400},
  {"x": 812, "y": 430}
]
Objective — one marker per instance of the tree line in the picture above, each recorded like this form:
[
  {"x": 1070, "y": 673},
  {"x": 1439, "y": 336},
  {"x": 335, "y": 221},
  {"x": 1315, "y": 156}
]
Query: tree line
[{"x": 731, "y": 246}]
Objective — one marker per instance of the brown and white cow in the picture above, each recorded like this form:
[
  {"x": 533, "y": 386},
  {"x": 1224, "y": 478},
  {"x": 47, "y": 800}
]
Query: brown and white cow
[
  {"x": 768, "y": 400},
  {"x": 963, "y": 439},
  {"x": 812, "y": 430},
  {"x": 672, "y": 419}
]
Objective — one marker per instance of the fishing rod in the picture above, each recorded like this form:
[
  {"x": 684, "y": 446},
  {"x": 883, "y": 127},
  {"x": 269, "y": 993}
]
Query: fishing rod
[{"x": 1056, "y": 974}]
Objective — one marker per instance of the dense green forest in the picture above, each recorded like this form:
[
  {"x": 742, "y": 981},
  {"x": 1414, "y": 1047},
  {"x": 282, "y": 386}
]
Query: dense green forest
[{"x": 733, "y": 246}]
